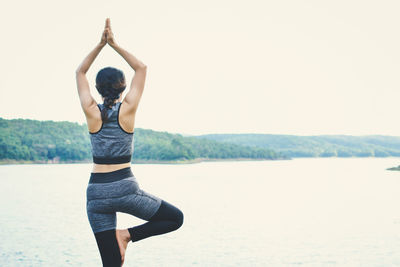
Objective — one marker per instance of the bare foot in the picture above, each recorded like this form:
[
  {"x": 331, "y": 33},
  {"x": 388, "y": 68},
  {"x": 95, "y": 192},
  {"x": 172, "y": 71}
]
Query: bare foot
[{"x": 123, "y": 238}]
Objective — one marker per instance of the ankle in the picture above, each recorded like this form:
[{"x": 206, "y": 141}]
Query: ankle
[
  {"x": 126, "y": 235},
  {"x": 130, "y": 232}
]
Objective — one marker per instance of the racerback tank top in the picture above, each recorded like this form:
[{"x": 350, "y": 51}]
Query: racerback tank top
[{"x": 111, "y": 144}]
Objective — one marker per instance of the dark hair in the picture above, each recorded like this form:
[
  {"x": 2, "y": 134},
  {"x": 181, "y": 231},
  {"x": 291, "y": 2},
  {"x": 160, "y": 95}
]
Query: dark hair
[{"x": 110, "y": 83}]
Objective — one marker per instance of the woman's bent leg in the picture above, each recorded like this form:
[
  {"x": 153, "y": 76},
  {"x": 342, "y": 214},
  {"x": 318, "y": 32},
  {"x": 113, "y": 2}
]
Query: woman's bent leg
[{"x": 167, "y": 219}]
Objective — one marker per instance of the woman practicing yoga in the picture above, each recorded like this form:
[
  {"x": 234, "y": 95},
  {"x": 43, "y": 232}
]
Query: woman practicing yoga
[{"x": 112, "y": 186}]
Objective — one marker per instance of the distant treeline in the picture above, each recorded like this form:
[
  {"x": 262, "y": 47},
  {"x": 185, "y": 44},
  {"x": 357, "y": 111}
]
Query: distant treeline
[
  {"x": 33, "y": 140},
  {"x": 317, "y": 146}
]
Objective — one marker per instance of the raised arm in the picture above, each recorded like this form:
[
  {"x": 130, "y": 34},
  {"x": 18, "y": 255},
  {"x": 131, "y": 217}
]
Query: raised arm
[
  {"x": 132, "y": 98},
  {"x": 87, "y": 101}
]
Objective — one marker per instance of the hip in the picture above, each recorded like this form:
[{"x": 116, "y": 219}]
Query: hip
[{"x": 112, "y": 184}]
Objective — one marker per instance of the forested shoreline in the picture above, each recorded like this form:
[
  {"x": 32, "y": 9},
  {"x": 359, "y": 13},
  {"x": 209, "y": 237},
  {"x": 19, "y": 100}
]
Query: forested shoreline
[
  {"x": 34, "y": 141},
  {"x": 296, "y": 146}
]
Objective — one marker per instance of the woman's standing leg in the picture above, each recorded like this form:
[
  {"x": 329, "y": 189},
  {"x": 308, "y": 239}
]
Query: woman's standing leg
[
  {"x": 103, "y": 218},
  {"x": 108, "y": 248},
  {"x": 103, "y": 226}
]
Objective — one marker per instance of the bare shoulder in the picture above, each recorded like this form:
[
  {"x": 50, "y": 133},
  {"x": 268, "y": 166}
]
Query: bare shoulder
[
  {"x": 93, "y": 118},
  {"x": 126, "y": 117}
]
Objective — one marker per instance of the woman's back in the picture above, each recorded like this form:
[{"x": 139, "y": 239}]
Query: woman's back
[{"x": 111, "y": 144}]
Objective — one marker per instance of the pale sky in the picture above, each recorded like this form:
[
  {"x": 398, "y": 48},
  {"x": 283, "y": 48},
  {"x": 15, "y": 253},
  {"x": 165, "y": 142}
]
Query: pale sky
[{"x": 278, "y": 67}]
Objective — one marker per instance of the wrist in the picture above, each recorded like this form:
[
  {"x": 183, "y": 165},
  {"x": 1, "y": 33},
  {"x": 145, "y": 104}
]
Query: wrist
[{"x": 114, "y": 45}]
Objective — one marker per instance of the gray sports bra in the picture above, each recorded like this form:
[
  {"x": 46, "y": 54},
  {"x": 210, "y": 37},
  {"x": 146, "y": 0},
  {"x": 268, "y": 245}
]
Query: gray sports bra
[{"x": 111, "y": 144}]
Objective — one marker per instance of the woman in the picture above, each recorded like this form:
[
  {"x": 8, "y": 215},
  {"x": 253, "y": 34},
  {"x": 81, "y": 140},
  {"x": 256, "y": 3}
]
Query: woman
[{"x": 112, "y": 186}]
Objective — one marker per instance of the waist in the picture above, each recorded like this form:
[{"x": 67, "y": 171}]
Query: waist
[
  {"x": 108, "y": 177},
  {"x": 103, "y": 168}
]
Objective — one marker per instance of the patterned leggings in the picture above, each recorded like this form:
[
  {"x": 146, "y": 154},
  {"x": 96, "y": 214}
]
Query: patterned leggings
[{"x": 119, "y": 191}]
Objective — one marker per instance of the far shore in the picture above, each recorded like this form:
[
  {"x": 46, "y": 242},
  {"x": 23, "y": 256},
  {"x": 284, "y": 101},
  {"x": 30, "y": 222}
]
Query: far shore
[
  {"x": 136, "y": 161},
  {"x": 141, "y": 161}
]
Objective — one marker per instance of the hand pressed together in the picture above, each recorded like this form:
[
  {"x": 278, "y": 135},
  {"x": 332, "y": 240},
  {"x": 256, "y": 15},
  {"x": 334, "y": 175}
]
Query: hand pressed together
[{"x": 107, "y": 36}]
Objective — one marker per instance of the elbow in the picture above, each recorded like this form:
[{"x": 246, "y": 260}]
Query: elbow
[
  {"x": 79, "y": 70},
  {"x": 143, "y": 66}
]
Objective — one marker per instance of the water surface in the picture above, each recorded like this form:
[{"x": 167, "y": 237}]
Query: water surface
[{"x": 307, "y": 212}]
